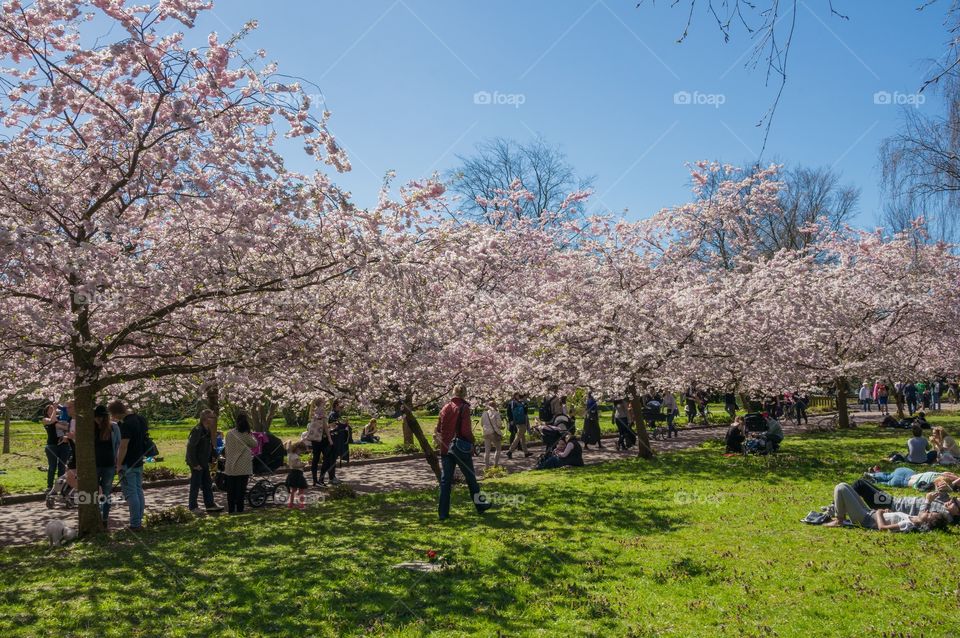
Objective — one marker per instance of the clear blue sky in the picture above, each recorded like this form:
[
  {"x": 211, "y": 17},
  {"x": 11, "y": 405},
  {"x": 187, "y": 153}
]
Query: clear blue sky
[{"x": 597, "y": 78}]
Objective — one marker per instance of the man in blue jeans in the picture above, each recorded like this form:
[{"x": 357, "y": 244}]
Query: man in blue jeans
[
  {"x": 133, "y": 437},
  {"x": 454, "y": 435}
]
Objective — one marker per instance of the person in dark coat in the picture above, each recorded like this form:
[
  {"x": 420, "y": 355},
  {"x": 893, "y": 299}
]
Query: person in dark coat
[{"x": 591, "y": 423}]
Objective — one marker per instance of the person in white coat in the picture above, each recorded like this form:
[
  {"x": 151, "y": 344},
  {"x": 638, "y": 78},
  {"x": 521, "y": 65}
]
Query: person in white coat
[
  {"x": 866, "y": 395},
  {"x": 492, "y": 426}
]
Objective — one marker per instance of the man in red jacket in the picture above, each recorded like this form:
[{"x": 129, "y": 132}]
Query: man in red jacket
[{"x": 454, "y": 435}]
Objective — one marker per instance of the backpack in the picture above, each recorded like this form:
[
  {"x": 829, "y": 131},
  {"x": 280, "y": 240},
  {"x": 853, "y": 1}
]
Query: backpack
[
  {"x": 519, "y": 413},
  {"x": 546, "y": 411}
]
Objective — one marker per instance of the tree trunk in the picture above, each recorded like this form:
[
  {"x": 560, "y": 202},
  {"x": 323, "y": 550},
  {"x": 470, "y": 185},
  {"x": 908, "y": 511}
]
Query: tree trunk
[
  {"x": 898, "y": 398},
  {"x": 410, "y": 421},
  {"x": 89, "y": 510},
  {"x": 643, "y": 440},
  {"x": 6, "y": 427},
  {"x": 407, "y": 432},
  {"x": 843, "y": 411},
  {"x": 213, "y": 398}
]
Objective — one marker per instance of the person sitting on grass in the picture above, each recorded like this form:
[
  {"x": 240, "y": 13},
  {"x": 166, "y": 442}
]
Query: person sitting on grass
[
  {"x": 735, "y": 437},
  {"x": 917, "y": 450},
  {"x": 369, "y": 434},
  {"x": 774, "y": 436},
  {"x": 849, "y": 506},
  {"x": 567, "y": 452},
  {"x": 948, "y": 452}
]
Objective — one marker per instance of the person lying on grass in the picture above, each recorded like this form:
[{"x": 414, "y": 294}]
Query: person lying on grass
[
  {"x": 940, "y": 501},
  {"x": 908, "y": 477},
  {"x": 849, "y": 506}
]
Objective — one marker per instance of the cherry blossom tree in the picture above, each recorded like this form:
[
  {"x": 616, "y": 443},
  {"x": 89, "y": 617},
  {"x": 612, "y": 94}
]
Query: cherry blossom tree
[{"x": 144, "y": 209}]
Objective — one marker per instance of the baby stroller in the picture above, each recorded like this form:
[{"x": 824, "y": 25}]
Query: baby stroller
[
  {"x": 652, "y": 415},
  {"x": 562, "y": 425},
  {"x": 62, "y": 493},
  {"x": 271, "y": 457}
]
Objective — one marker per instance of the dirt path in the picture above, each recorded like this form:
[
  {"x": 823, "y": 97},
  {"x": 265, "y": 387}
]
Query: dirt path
[{"x": 24, "y": 523}]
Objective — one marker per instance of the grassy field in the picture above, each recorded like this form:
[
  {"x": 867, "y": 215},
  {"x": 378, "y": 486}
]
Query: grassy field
[
  {"x": 20, "y": 473},
  {"x": 689, "y": 544}
]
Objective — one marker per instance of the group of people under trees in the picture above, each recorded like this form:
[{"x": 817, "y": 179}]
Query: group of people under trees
[
  {"x": 122, "y": 443},
  {"x": 917, "y": 396}
]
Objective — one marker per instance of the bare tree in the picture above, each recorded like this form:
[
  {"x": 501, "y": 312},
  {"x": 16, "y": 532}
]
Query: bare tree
[
  {"x": 810, "y": 201},
  {"x": 497, "y": 163},
  {"x": 921, "y": 168},
  {"x": 809, "y": 196}
]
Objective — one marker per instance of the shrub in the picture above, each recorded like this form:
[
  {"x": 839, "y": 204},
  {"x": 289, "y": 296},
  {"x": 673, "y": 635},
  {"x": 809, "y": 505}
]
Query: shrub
[
  {"x": 342, "y": 491},
  {"x": 494, "y": 471},
  {"x": 405, "y": 449},
  {"x": 169, "y": 516},
  {"x": 158, "y": 473}
]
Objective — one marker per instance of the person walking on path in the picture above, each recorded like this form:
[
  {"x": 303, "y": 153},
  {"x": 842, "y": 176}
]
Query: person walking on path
[
  {"x": 238, "y": 462},
  {"x": 129, "y": 463},
  {"x": 200, "y": 454},
  {"x": 670, "y": 409},
  {"x": 591, "y": 423},
  {"x": 318, "y": 434},
  {"x": 511, "y": 424},
  {"x": 881, "y": 397},
  {"x": 522, "y": 421},
  {"x": 336, "y": 444},
  {"x": 492, "y": 426},
  {"x": 865, "y": 396},
  {"x": 730, "y": 404},
  {"x": 936, "y": 391},
  {"x": 454, "y": 436},
  {"x": 910, "y": 396}
]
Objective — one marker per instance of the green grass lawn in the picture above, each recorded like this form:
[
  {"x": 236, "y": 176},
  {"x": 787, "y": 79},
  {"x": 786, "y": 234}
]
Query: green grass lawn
[
  {"x": 689, "y": 544},
  {"x": 28, "y": 439}
]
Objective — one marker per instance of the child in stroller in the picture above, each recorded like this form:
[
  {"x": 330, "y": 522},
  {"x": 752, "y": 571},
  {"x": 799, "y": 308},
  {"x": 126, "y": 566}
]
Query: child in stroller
[{"x": 553, "y": 432}]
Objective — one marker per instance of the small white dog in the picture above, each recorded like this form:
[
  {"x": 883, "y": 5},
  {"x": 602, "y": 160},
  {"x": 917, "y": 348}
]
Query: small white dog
[{"x": 59, "y": 532}]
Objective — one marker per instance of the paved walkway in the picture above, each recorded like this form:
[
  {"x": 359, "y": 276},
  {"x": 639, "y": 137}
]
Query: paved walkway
[{"x": 24, "y": 523}]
